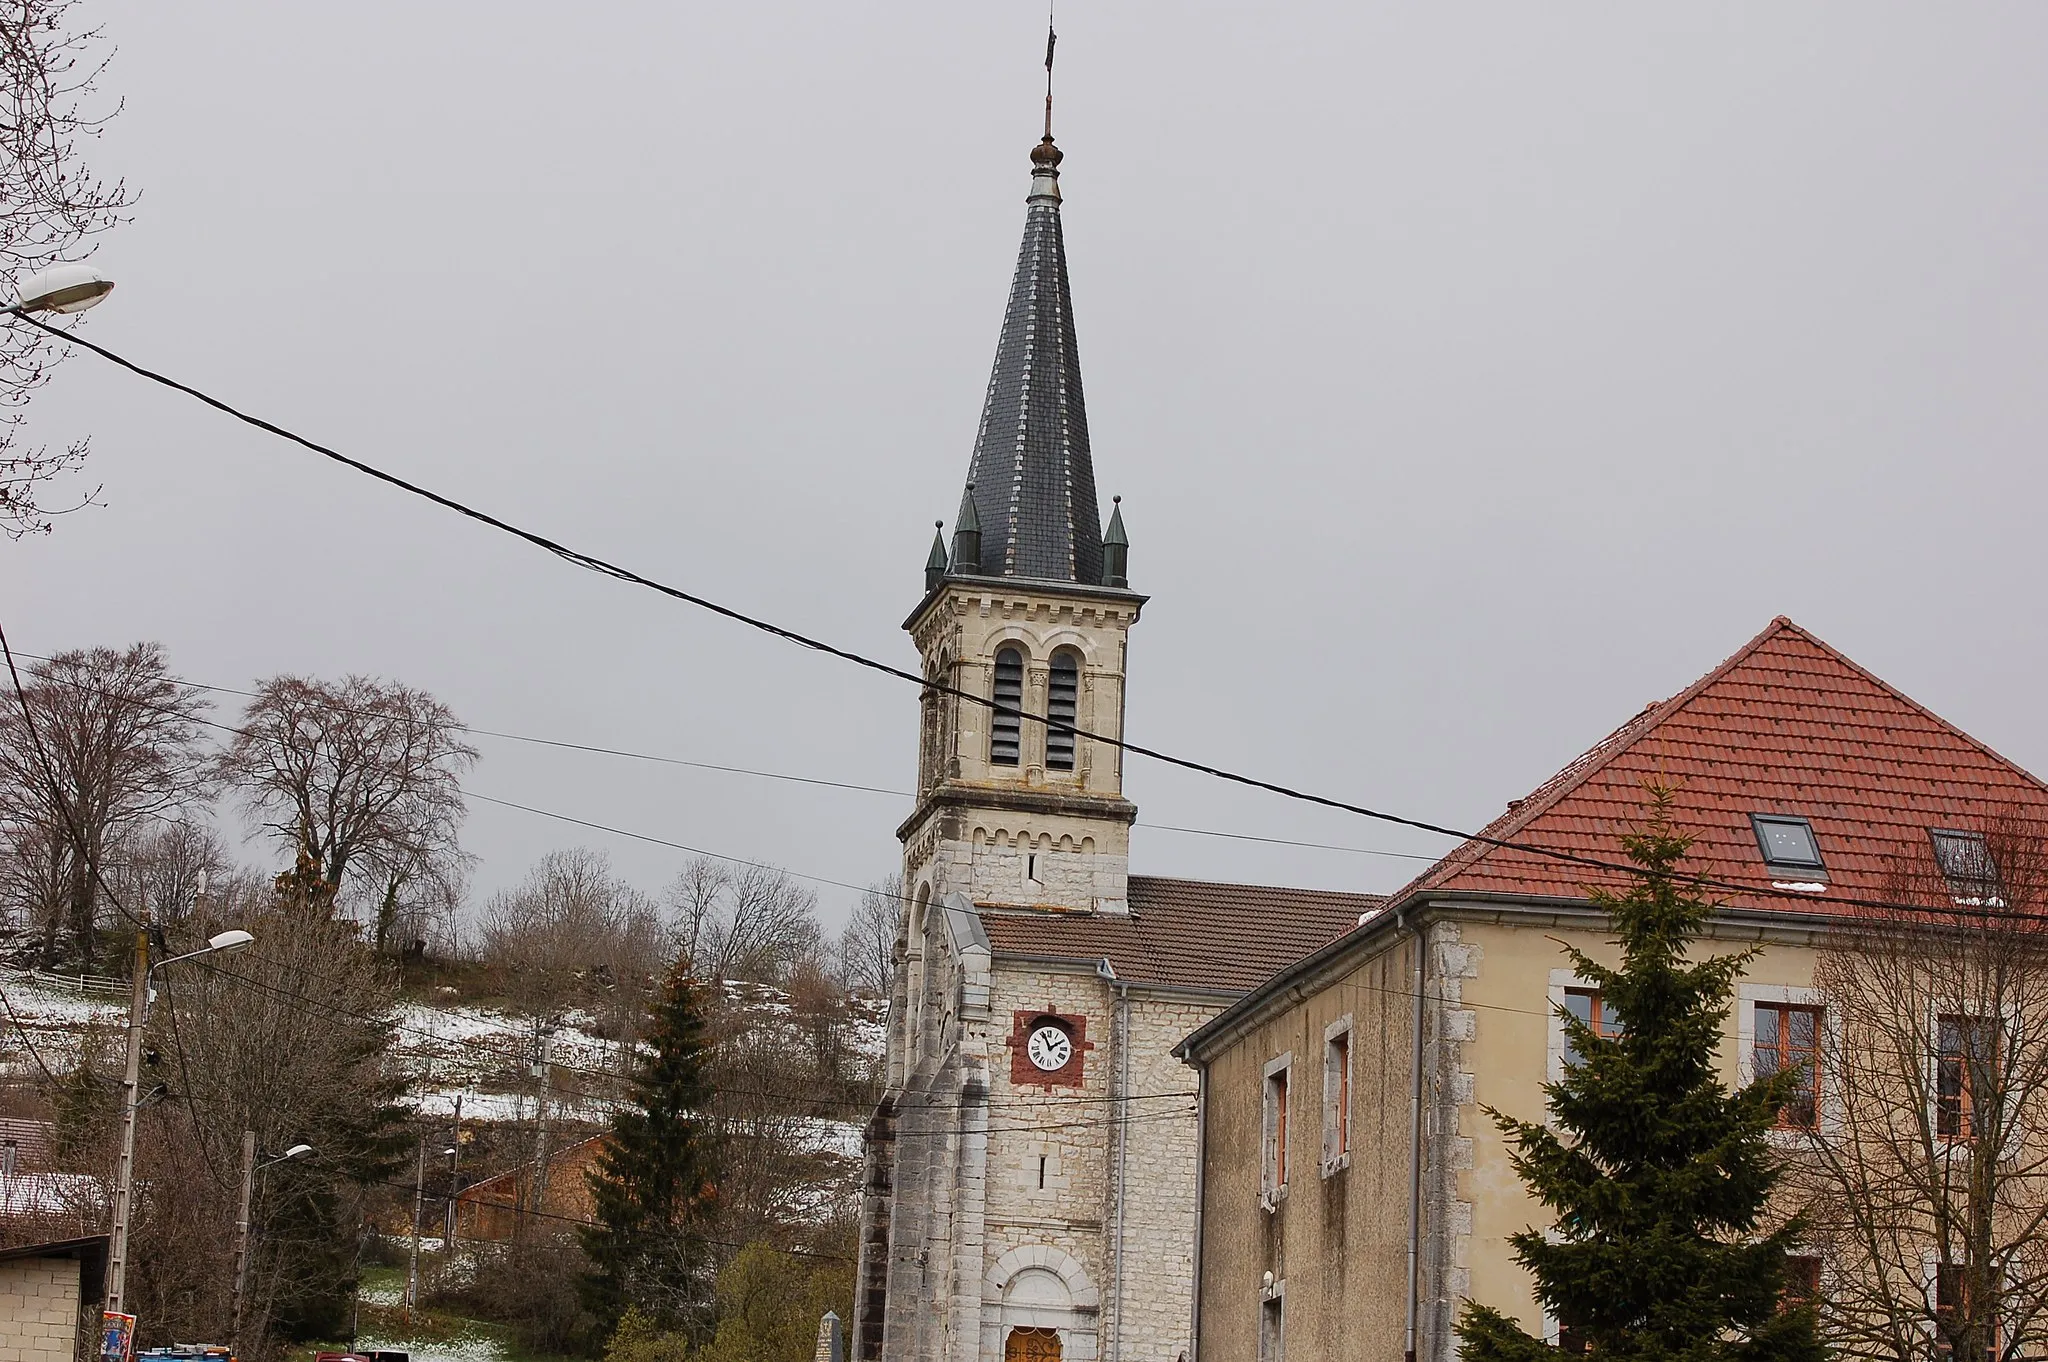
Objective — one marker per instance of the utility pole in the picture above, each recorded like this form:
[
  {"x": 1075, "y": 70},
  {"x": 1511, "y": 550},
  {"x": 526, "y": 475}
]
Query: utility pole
[
  {"x": 124, "y": 1171},
  {"x": 540, "y": 1121},
  {"x": 419, "y": 1195},
  {"x": 454, "y": 1179},
  {"x": 242, "y": 1225}
]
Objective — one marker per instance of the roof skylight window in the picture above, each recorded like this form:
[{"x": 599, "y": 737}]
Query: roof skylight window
[
  {"x": 1966, "y": 863},
  {"x": 1786, "y": 842}
]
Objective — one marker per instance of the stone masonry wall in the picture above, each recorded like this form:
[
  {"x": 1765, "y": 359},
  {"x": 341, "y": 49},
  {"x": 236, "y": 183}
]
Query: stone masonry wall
[
  {"x": 38, "y": 1309},
  {"x": 1159, "y": 1182},
  {"x": 1076, "y": 1134},
  {"x": 1062, "y": 1125}
]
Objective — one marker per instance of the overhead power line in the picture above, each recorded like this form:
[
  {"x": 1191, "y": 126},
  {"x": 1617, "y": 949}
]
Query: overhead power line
[
  {"x": 606, "y": 568},
  {"x": 188, "y": 683},
  {"x": 1957, "y": 910}
]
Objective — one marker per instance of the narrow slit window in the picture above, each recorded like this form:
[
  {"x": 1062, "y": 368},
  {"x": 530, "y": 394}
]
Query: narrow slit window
[
  {"x": 1272, "y": 1330},
  {"x": 1337, "y": 1097},
  {"x": 1276, "y": 1131},
  {"x": 1005, "y": 732},
  {"x": 1062, "y": 703}
]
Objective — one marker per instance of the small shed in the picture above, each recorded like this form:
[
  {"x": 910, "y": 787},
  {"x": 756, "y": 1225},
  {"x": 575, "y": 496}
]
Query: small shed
[{"x": 45, "y": 1293}]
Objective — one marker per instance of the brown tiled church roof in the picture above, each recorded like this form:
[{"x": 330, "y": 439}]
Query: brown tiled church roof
[
  {"x": 1787, "y": 726},
  {"x": 1190, "y": 933}
]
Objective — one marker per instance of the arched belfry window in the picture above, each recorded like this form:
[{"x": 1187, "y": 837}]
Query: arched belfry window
[
  {"x": 1005, "y": 740},
  {"x": 1062, "y": 704}
]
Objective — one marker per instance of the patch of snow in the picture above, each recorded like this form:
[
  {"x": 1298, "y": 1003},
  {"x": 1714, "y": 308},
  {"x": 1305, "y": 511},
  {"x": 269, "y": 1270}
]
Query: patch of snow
[{"x": 469, "y": 1348}]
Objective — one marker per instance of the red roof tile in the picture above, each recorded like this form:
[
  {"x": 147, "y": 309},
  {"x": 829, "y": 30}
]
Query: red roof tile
[
  {"x": 1785, "y": 726},
  {"x": 1190, "y": 933}
]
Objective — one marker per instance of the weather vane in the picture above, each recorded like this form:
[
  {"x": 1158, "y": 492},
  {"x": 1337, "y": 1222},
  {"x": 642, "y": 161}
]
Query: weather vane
[{"x": 1050, "y": 38}]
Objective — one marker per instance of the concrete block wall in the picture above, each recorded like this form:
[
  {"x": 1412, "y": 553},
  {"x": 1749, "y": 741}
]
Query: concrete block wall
[{"x": 38, "y": 1309}]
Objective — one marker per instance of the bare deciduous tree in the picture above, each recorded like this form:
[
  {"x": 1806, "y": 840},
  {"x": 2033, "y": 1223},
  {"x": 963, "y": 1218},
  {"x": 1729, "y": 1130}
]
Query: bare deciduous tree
[
  {"x": 359, "y": 776},
  {"x": 49, "y": 68},
  {"x": 572, "y": 935},
  {"x": 281, "y": 1039},
  {"x": 1925, "y": 1168},
  {"x": 164, "y": 865},
  {"x": 114, "y": 747},
  {"x": 867, "y": 946},
  {"x": 735, "y": 921}
]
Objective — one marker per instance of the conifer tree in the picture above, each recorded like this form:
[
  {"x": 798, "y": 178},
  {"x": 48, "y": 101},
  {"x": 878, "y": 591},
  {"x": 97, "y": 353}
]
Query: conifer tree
[
  {"x": 652, "y": 1189},
  {"x": 1657, "y": 1175}
]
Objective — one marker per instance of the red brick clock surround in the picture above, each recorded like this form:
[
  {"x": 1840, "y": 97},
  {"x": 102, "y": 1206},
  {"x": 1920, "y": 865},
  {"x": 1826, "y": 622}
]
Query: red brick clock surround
[{"x": 1023, "y": 1071}]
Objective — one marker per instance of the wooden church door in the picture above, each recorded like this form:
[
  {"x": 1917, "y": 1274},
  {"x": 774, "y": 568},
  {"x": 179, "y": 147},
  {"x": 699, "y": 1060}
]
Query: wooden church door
[{"x": 1032, "y": 1345}]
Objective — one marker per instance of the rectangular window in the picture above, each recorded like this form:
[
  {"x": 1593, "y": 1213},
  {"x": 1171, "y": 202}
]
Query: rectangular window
[
  {"x": 1966, "y": 863},
  {"x": 1272, "y": 1331},
  {"x": 1786, "y": 842},
  {"x": 1952, "y": 1314},
  {"x": 1788, "y": 1037},
  {"x": 1966, "y": 1051},
  {"x": 1276, "y": 1131},
  {"x": 1337, "y": 1096},
  {"x": 1585, "y": 1004},
  {"x": 1802, "y": 1283}
]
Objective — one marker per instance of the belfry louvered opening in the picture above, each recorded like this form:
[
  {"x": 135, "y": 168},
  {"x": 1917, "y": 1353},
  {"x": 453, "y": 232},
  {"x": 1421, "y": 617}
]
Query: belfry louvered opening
[
  {"x": 1062, "y": 704},
  {"x": 1006, "y": 729}
]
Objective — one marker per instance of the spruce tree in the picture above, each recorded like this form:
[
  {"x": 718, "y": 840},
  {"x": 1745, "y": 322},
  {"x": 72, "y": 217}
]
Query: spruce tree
[
  {"x": 1657, "y": 1175},
  {"x": 652, "y": 1189}
]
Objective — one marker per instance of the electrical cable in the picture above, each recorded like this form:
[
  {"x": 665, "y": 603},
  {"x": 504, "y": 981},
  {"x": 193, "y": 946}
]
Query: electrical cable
[
  {"x": 1704, "y": 882},
  {"x": 631, "y": 755},
  {"x": 605, "y": 568},
  {"x": 27, "y": 1043}
]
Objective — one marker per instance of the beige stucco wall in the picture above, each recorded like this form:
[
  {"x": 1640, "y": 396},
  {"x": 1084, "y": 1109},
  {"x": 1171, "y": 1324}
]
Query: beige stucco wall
[
  {"x": 38, "y": 1309},
  {"x": 1336, "y": 1243}
]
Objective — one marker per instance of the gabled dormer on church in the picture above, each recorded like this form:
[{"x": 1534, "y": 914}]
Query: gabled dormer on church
[{"x": 1030, "y": 611}]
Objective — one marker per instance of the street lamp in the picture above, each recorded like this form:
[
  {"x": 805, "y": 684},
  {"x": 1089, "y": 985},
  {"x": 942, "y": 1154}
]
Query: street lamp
[
  {"x": 62, "y": 288},
  {"x": 250, "y": 1168},
  {"x": 234, "y": 939}
]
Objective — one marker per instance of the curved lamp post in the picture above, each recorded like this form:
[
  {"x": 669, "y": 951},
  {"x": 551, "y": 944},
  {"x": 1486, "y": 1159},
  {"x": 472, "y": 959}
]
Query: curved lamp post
[
  {"x": 234, "y": 939},
  {"x": 250, "y": 1168}
]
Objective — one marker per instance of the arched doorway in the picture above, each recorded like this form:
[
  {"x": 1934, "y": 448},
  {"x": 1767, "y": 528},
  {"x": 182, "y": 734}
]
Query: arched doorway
[{"x": 1028, "y": 1344}]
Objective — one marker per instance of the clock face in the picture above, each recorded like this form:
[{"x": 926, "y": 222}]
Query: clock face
[{"x": 1049, "y": 1048}]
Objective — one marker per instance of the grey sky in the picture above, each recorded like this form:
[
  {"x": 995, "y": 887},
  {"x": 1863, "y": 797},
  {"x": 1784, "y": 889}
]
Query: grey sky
[{"x": 1472, "y": 375}]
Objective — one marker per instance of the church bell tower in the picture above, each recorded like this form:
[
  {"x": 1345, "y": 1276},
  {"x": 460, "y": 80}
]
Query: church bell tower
[{"x": 1030, "y": 609}]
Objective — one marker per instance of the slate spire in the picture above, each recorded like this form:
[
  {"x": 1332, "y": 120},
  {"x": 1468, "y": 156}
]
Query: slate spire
[{"x": 1032, "y": 481}]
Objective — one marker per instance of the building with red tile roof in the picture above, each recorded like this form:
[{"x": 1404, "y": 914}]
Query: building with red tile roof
[
  {"x": 1346, "y": 1139},
  {"x": 1787, "y": 726}
]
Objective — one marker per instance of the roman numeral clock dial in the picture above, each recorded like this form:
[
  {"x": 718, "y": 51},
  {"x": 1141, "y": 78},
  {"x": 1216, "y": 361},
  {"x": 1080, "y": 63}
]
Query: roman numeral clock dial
[{"x": 1049, "y": 1048}]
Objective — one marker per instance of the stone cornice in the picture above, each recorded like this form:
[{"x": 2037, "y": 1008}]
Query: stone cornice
[
  {"x": 953, "y": 794},
  {"x": 974, "y": 588}
]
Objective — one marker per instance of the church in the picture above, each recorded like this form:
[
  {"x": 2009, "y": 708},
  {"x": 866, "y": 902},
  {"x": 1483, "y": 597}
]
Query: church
[{"x": 1030, "y": 1180}]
